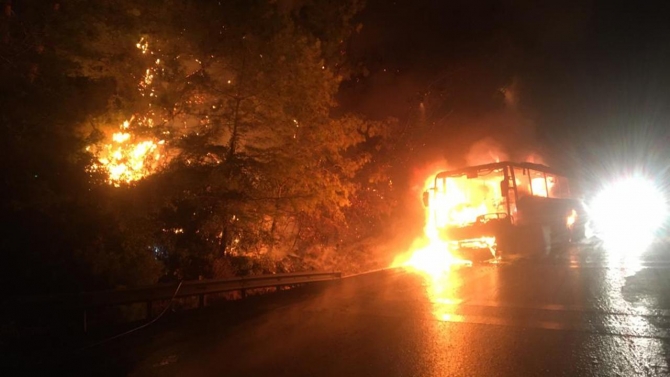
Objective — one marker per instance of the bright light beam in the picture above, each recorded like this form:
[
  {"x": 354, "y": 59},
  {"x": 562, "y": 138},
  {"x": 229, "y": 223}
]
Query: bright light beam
[{"x": 627, "y": 214}]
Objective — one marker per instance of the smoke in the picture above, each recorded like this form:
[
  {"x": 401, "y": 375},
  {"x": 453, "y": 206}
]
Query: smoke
[
  {"x": 486, "y": 151},
  {"x": 507, "y": 133},
  {"x": 478, "y": 131},
  {"x": 489, "y": 150}
]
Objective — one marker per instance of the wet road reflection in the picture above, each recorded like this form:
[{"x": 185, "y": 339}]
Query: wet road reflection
[
  {"x": 582, "y": 313},
  {"x": 643, "y": 350},
  {"x": 585, "y": 291}
]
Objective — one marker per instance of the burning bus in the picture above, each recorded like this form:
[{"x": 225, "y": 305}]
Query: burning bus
[{"x": 484, "y": 211}]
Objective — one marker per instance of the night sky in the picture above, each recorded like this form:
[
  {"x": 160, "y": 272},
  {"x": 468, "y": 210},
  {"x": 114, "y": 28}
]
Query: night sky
[{"x": 584, "y": 83}]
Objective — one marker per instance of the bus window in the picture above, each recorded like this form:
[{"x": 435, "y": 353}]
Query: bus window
[
  {"x": 552, "y": 186},
  {"x": 564, "y": 185},
  {"x": 558, "y": 186},
  {"x": 538, "y": 183},
  {"x": 522, "y": 182}
]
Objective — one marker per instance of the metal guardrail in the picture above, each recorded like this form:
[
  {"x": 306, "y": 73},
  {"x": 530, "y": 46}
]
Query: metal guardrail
[
  {"x": 188, "y": 288},
  {"x": 200, "y": 288}
]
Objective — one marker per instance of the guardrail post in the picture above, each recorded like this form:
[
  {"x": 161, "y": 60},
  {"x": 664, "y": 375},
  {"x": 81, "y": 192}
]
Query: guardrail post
[{"x": 89, "y": 301}]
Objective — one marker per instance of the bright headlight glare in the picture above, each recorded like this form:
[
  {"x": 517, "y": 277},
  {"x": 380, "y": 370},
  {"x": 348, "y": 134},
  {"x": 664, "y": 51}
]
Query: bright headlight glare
[{"x": 628, "y": 212}]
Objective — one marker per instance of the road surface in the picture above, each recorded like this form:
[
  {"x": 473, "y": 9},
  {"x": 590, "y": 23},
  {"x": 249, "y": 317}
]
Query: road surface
[{"x": 586, "y": 313}]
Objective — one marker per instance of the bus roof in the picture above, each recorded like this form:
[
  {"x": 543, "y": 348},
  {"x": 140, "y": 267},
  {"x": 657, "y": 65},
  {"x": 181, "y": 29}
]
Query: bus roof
[{"x": 498, "y": 165}]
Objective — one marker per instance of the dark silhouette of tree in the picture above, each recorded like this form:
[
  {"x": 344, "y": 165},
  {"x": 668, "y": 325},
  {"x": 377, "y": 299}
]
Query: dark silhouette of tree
[{"x": 256, "y": 173}]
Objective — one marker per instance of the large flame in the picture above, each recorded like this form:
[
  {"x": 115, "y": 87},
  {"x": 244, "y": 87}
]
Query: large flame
[
  {"x": 430, "y": 254},
  {"x": 124, "y": 156},
  {"x": 457, "y": 201}
]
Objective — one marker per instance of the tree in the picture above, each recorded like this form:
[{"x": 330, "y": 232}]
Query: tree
[
  {"x": 58, "y": 235},
  {"x": 245, "y": 168},
  {"x": 258, "y": 159}
]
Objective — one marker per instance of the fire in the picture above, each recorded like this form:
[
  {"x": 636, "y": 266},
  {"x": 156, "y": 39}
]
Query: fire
[
  {"x": 571, "y": 219},
  {"x": 430, "y": 255},
  {"x": 459, "y": 201},
  {"x": 143, "y": 45},
  {"x": 127, "y": 158},
  {"x": 454, "y": 202},
  {"x": 121, "y": 137}
]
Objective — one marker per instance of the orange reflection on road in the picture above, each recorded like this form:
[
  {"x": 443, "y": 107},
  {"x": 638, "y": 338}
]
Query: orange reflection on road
[{"x": 443, "y": 293}]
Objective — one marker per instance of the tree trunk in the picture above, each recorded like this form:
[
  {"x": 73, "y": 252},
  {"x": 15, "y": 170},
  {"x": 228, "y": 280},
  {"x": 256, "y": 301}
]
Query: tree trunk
[
  {"x": 274, "y": 222},
  {"x": 232, "y": 146}
]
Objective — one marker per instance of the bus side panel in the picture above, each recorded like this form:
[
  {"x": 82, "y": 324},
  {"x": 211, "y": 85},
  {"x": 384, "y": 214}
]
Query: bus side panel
[{"x": 550, "y": 216}]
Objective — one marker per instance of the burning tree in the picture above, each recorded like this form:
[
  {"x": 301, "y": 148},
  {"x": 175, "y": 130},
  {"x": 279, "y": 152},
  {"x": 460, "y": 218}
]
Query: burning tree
[
  {"x": 266, "y": 161},
  {"x": 194, "y": 134},
  {"x": 234, "y": 133}
]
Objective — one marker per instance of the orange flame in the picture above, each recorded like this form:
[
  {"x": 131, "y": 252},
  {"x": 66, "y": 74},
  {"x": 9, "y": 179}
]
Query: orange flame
[
  {"x": 128, "y": 157},
  {"x": 429, "y": 254}
]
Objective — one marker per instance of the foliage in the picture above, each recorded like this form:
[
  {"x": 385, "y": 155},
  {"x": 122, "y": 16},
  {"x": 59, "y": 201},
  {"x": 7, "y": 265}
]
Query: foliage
[
  {"x": 257, "y": 175},
  {"x": 60, "y": 232}
]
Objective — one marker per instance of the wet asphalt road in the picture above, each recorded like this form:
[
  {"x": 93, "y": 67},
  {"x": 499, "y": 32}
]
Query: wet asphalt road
[{"x": 583, "y": 314}]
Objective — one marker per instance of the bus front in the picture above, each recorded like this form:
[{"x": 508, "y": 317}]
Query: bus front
[{"x": 471, "y": 210}]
